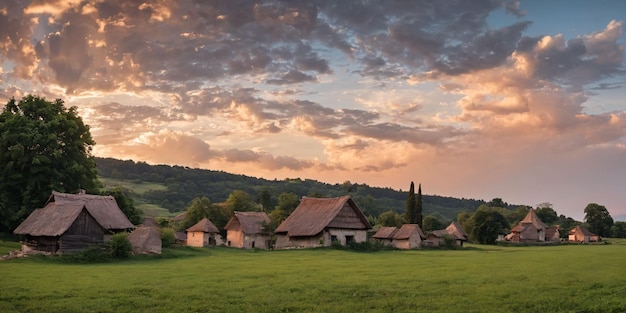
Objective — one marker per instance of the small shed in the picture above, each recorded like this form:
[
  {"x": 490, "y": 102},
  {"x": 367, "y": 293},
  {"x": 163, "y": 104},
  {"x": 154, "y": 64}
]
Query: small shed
[
  {"x": 409, "y": 236},
  {"x": 552, "y": 233},
  {"x": 582, "y": 235},
  {"x": 457, "y": 232},
  {"x": 246, "y": 230},
  {"x": 385, "y": 234},
  {"x": 319, "y": 222},
  {"x": 72, "y": 222},
  {"x": 204, "y": 234},
  {"x": 436, "y": 238},
  {"x": 146, "y": 240}
]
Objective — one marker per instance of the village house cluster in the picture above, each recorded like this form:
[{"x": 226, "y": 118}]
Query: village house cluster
[{"x": 70, "y": 223}]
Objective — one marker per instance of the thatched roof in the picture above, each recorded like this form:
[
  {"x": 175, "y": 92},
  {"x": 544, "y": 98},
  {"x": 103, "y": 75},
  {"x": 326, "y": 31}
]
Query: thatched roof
[
  {"x": 532, "y": 217},
  {"x": 407, "y": 230},
  {"x": 440, "y": 233},
  {"x": 145, "y": 240},
  {"x": 62, "y": 209},
  {"x": 314, "y": 214},
  {"x": 456, "y": 230},
  {"x": 582, "y": 230},
  {"x": 385, "y": 232},
  {"x": 250, "y": 223},
  {"x": 150, "y": 222},
  {"x": 205, "y": 226}
]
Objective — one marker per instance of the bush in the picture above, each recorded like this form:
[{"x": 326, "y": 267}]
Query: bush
[
  {"x": 168, "y": 237},
  {"x": 120, "y": 247},
  {"x": 91, "y": 254}
]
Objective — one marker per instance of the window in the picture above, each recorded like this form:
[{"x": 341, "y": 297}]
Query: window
[
  {"x": 333, "y": 238},
  {"x": 349, "y": 239},
  {"x": 253, "y": 244}
]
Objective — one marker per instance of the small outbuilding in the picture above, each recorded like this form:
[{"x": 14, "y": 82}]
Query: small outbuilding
[
  {"x": 72, "y": 222},
  {"x": 385, "y": 234},
  {"x": 457, "y": 232},
  {"x": 204, "y": 234},
  {"x": 582, "y": 235},
  {"x": 318, "y": 222},
  {"x": 146, "y": 240},
  {"x": 409, "y": 236},
  {"x": 247, "y": 230}
]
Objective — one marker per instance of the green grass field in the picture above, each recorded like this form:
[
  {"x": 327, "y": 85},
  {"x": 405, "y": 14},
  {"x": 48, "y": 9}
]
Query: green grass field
[{"x": 566, "y": 278}]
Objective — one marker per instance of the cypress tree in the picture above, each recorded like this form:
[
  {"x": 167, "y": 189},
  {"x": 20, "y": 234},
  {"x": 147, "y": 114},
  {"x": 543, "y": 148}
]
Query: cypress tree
[
  {"x": 418, "y": 207},
  {"x": 411, "y": 206}
]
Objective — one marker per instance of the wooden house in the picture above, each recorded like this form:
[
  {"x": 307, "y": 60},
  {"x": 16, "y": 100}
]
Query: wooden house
[
  {"x": 552, "y": 233},
  {"x": 530, "y": 229},
  {"x": 457, "y": 232},
  {"x": 454, "y": 231},
  {"x": 321, "y": 221},
  {"x": 204, "y": 234},
  {"x": 583, "y": 235},
  {"x": 384, "y": 235},
  {"x": 146, "y": 240},
  {"x": 246, "y": 230},
  {"x": 436, "y": 238},
  {"x": 409, "y": 236},
  {"x": 72, "y": 222}
]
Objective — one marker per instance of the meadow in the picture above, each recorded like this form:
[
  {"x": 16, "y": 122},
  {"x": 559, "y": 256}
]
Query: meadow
[{"x": 565, "y": 278}]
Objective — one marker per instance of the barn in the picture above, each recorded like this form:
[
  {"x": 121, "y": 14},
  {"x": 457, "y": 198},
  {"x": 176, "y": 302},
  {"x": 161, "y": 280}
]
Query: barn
[
  {"x": 72, "y": 222},
  {"x": 204, "y": 234},
  {"x": 385, "y": 234},
  {"x": 318, "y": 222},
  {"x": 246, "y": 230}
]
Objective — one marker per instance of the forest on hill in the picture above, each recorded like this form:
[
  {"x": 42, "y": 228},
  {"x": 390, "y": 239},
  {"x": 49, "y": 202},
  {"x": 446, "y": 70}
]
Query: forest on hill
[{"x": 183, "y": 184}]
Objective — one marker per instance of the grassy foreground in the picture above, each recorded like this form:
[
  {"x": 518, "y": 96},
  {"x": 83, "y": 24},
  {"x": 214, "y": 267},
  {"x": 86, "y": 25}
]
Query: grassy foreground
[{"x": 567, "y": 278}]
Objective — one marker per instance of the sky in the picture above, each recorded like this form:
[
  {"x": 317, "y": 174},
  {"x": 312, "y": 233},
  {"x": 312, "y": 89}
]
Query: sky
[{"x": 523, "y": 101}]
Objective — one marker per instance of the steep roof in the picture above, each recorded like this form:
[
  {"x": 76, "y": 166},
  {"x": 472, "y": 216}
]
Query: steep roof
[
  {"x": 385, "y": 232},
  {"x": 249, "y": 222},
  {"x": 456, "y": 230},
  {"x": 145, "y": 240},
  {"x": 205, "y": 226},
  {"x": 532, "y": 217},
  {"x": 407, "y": 230},
  {"x": 314, "y": 214},
  {"x": 582, "y": 230},
  {"x": 62, "y": 209}
]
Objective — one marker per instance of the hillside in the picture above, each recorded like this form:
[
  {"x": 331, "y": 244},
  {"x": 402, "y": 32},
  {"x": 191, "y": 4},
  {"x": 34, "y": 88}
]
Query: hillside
[{"x": 164, "y": 190}]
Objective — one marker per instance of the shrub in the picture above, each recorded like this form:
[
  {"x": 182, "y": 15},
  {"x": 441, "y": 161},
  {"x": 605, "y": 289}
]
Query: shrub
[
  {"x": 91, "y": 254},
  {"x": 168, "y": 237},
  {"x": 119, "y": 246}
]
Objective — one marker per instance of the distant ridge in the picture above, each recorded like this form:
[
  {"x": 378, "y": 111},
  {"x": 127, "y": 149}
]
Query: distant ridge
[{"x": 183, "y": 184}]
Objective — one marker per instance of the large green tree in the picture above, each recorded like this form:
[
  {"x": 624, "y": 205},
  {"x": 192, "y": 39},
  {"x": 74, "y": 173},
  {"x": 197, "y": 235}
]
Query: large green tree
[
  {"x": 411, "y": 206},
  {"x": 431, "y": 223},
  {"x": 287, "y": 202},
  {"x": 599, "y": 219},
  {"x": 241, "y": 201},
  {"x": 390, "y": 218},
  {"x": 44, "y": 146},
  {"x": 546, "y": 213},
  {"x": 487, "y": 223},
  {"x": 201, "y": 207}
]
